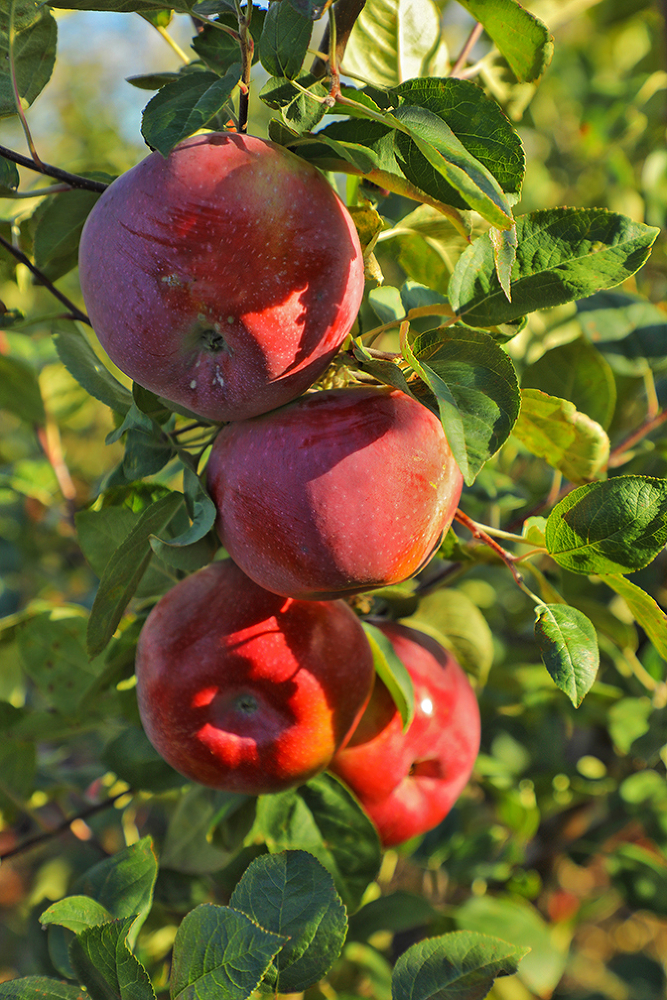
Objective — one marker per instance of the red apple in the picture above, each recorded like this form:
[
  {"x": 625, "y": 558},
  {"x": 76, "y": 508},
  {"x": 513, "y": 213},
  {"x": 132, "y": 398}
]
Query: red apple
[
  {"x": 224, "y": 277},
  {"x": 245, "y": 691},
  {"x": 408, "y": 782},
  {"x": 337, "y": 493}
]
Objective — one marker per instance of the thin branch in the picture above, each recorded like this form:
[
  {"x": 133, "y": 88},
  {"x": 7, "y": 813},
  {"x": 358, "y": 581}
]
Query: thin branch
[
  {"x": 478, "y": 532},
  {"x": 62, "y": 827},
  {"x": 466, "y": 50},
  {"x": 43, "y": 280},
  {"x": 74, "y": 180},
  {"x": 619, "y": 454}
]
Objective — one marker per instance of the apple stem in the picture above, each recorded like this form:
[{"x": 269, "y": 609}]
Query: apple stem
[
  {"x": 74, "y": 180},
  {"x": 75, "y": 313}
]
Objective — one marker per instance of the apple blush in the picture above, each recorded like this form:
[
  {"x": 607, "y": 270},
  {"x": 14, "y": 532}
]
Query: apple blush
[
  {"x": 223, "y": 277},
  {"x": 245, "y": 691},
  {"x": 337, "y": 493},
  {"x": 408, "y": 782}
]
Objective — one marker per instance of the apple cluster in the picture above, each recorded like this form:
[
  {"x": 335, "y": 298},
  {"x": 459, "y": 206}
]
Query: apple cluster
[{"x": 224, "y": 278}]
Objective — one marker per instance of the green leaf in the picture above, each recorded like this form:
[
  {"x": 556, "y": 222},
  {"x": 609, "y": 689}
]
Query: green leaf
[
  {"x": 397, "y": 911},
  {"x": 521, "y": 37},
  {"x": 294, "y": 896},
  {"x": 53, "y": 653},
  {"x": 186, "y": 105},
  {"x": 187, "y": 847},
  {"x": 308, "y": 8},
  {"x": 458, "y": 624},
  {"x": 439, "y": 153},
  {"x": 569, "y": 647},
  {"x": 105, "y": 965},
  {"x": 123, "y": 884},
  {"x": 477, "y": 394},
  {"x": 644, "y": 610},
  {"x": 18, "y": 764},
  {"x": 630, "y": 331},
  {"x": 562, "y": 254},
  {"x": 83, "y": 364},
  {"x": 323, "y": 818},
  {"x": 19, "y": 390},
  {"x": 76, "y": 913},
  {"x": 60, "y": 220},
  {"x": 219, "y": 952},
  {"x": 218, "y": 50},
  {"x": 461, "y": 965},
  {"x": 613, "y": 527},
  {"x": 504, "y": 255},
  {"x": 578, "y": 372},
  {"x": 556, "y": 431},
  {"x": 284, "y": 41},
  {"x": 477, "y": 121},
  {"x": 519, "y": 923},
  {"x": 392, "y": 672},
  {"x": 40, "y": 988},
  {"x": 201, "y": 509},
  {"x": 34, "y": 50},
  {"x": 124, "y": 571},
  {"x": 9, "y": 176},
  {"x": 394, "y": 40}
]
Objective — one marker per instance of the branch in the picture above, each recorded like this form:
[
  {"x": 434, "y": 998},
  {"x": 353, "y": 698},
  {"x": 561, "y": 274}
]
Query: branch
[
  {"x": 477, "y": 531},
  {"x": 43, "y": 280},
  {"x": 74, "y": 180},
  {"x": 345, "y": 13},
  {"x": 62, "y": 827}
]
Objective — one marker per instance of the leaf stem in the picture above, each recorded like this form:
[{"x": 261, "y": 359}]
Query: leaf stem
[
  {"x": 15, "y": 88},
  {"x": 43, "y": 280},
  {"x": 74, "y": 180},
  {"x": 173, "y": 44},
  {"x": 472, "y": 39}
]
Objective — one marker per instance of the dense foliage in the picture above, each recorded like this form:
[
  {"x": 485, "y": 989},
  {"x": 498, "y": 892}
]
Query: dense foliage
[{"x": 508, "y": 195}]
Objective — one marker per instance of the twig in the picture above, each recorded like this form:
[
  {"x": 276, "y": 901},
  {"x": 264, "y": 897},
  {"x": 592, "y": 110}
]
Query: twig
[
  {"x": 20, "y": 256},
  {"x": 247, "y": 48},
  {"x": 466, "y": 50},
  {"x": 74, "y": 180},
  {"x": 618, "y": 454},
  {"x": 62, "y": 827}
]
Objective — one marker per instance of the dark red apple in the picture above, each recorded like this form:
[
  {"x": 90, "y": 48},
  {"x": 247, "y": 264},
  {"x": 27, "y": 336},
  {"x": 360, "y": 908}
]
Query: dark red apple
[
  {"x": 245, "y": 691},
  {"x": 224, "y": 277},
  {"x": 339, "y": 492},
  {"x": 408, "y": 782}
]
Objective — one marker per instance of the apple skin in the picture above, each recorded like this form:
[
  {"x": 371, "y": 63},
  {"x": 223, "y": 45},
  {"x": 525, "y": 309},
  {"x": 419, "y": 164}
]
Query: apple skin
[
  {"x": 224, "y": 277},
  {"x": 408, "y": 782},
  {"x": 245, "y": 691},
  {"x": 339, "y": 492}
]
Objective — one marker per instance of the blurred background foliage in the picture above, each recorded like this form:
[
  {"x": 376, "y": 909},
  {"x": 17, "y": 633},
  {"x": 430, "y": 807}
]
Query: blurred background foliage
[{"x": 560, "y": 840}]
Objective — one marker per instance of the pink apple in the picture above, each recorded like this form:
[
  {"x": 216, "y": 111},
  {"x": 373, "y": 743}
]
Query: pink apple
[
  {"x": 339, "y": 492},
  {"x": 245, "y": 691},
  {"x": 408, "y": 782},
  {"x": 224, "y": 277}
]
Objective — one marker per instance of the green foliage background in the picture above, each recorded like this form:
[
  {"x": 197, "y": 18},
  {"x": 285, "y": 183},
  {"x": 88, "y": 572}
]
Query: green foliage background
[{"x": 559, "y": 841}]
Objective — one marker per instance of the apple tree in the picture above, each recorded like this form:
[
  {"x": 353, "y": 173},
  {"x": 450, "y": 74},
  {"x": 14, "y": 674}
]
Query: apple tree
[{"x": 505, "y": 172}]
